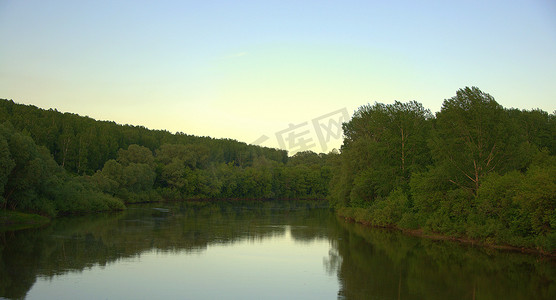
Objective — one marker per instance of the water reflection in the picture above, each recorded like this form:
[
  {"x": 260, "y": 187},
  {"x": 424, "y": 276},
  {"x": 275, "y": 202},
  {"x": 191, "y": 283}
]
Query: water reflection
[
  {"x": 382, "y": 264},
  {"x": 267, "y": 248},
  {"x": 79, "y": 243}
]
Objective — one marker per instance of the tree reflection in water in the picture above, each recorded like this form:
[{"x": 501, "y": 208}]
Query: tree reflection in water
[{"x": 369, "y": 263}]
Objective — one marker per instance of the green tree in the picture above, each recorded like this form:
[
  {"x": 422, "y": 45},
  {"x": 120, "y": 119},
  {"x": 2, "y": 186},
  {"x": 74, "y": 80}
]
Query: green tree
[
  {"x": 383, "y": 145},
  {"x": 6, "y": 165},
  {"x": 473, "y": 137},
  {"x": 136, "y": 154}
]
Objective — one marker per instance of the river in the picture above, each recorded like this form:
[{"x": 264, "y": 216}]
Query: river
[{"x": 254, "y": 250}]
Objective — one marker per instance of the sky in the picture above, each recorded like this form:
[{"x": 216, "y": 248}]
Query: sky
[{"x": 274, "y": 73}]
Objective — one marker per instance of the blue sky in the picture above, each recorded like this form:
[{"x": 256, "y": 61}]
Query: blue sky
[{"x": 244, "y": 69}]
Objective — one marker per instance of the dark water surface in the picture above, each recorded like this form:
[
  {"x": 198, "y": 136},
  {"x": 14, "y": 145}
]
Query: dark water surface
[{"x": 254, "y": 250}]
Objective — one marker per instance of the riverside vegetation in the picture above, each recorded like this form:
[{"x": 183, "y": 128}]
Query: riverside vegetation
[
  {"x": 474, "y": 170},
  {"x": 54, "y": 163}
]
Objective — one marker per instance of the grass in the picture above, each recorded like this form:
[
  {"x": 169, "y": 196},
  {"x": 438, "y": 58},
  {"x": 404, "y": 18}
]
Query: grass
[{"x": 14, "y": 220}]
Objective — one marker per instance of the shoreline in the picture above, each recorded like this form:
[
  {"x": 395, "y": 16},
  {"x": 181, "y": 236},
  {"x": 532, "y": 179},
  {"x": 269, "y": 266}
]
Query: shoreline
[
  {"x": 464, "y": 240},
  {"x": 15, "y": 220}
]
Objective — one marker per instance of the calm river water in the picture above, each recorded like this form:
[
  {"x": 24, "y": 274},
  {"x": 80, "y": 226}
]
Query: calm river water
[{"x": 254, "y": 250}]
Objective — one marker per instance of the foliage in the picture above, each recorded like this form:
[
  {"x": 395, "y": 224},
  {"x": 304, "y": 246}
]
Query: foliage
[
  {"x": 383, "y": 146},
  {"x": 473, "y": 136},
  {"x": 32, "y": 181},
  {"x": 82, "y": 145},
  {"x": 135, "y": 164},
  {"x": 476, "y": 170}
]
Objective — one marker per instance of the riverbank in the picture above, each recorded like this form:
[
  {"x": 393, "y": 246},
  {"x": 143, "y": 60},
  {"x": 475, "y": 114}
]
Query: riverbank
[
  {"x": 14, "y": 220},
  {"x": 420, "y": 232}
]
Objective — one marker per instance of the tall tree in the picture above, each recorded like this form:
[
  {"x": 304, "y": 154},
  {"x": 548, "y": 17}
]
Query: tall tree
[
  {"x": 473, "y": 137},
  {"x": 383, "y": 145},
  {"x": 6, "y": 164}
]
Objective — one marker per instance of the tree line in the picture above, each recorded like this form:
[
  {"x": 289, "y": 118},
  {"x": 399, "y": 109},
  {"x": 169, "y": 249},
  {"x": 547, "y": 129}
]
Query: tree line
[
  {"x": 475, "y": 169},
  {"x": 56, "y": 163},
  {"x": 82, "y": 145}
]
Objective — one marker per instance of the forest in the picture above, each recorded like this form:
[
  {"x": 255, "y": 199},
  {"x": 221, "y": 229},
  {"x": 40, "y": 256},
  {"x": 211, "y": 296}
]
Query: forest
[
  {"x": 60, "y": 163},
  {"x": 473, "y": 170}
]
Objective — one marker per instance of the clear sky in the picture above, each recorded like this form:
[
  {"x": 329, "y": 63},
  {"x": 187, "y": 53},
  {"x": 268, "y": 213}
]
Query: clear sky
[{"x": 248, "y": 69}]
